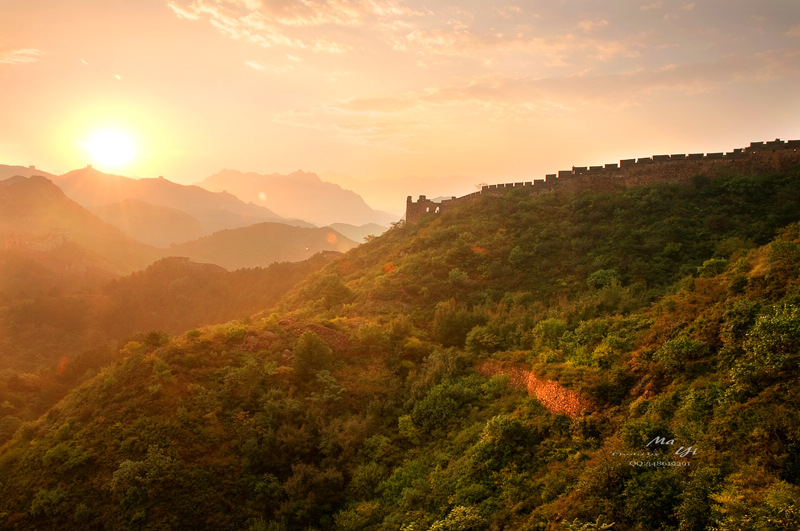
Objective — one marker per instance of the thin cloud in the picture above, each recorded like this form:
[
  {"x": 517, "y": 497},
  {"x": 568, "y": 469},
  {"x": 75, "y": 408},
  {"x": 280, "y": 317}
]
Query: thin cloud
[
  {"x": 274, "y": 69},
  {"x": 288, "y": 23},
  {"x": 628, "y": 89},
  {"x": 21, "y": 56},
  {"x": 556, "y": 50},
  {"x": 508, "y": 11},
  {"x": 590, "y": 25},
  {"x": 507, "y": 99},
  {"x": 255, "y": 65},
  {"x": 360, "y": 127},
  {"x": 183, "y": 13}
]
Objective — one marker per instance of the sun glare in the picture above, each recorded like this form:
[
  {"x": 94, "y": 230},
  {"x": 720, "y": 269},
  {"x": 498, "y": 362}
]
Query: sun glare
[{"x": 110, "y": 148}]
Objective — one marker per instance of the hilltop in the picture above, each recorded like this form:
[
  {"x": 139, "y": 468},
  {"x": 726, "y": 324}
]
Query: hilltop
[
  {"x": 40, "y": 224},
  {"x": 262, "y": 244},
  {"x": 300, "y": 194},
  {"x": 7, "y": 171},
  {"x": 502, "y": 365}
]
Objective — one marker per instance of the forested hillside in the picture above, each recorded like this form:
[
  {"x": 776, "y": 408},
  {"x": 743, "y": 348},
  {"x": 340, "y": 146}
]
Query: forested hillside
[
  {"x": 623, "y": 360},
  {"x": 57, "y": 340}
]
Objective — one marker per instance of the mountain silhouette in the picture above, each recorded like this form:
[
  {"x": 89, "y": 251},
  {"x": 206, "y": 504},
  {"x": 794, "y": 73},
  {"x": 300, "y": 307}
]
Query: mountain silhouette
[
  {"x": 358, "y": 233},
  {"x": 214, "y": 211},
  {"x": 299, "y": 194},
  {"x": 42, "y": 229},
  {"x": 262, "y": 244},
  {"x": 23, "y": 171}
]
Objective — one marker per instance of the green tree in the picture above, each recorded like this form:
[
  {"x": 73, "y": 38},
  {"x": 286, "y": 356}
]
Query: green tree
[
  {"x": 311, "y": 354},
  {"x": 452, "y": 323},
  {"x": 137, "y": 482}
]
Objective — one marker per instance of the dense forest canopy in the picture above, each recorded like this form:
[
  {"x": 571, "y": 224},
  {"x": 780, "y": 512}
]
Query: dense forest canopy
[{"x": 573, "y": 360}]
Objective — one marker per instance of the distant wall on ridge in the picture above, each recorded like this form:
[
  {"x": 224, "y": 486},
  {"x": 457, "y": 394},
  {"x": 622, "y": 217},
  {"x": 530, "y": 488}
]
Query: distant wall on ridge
[{"x": 758, "y": 158}]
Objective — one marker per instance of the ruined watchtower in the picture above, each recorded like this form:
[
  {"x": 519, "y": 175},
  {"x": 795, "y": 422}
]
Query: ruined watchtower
[{"x": 414, "y": 211}]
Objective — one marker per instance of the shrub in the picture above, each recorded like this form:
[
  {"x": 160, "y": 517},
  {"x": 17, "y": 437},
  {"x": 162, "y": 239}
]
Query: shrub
[
  {"x": 8, "y": 426},
  {"x": 452, "y": 323},
  {"x": 774, "y": 340},
  {"x": 65, "y": 456},
  {"x": 676, "y": 353},
  {"x": 481, "y": 340},
  {"x": 547, "y": 333},
  {"x": 712, "y": 267},
  {"x": 504, "y": 438},
  {"x": 48, "y": 502},
  {"x": 441, "y": 405},
  {"x": 602, "y": 278},
  {"x": 460, "y": 519}
]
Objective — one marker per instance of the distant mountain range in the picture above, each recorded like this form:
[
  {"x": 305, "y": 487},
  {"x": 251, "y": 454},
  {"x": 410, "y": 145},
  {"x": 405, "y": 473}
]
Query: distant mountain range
[
  {"x": 48, "y": 240},
  {"x": 214, "y": 211},
  {"x": 162, "y": 213},
  {"x": 389, "y": 194},
  {"x": 300, "y": 194},
  {"x": 23, "y": 171},
  {"x": 36, "y": 216}
]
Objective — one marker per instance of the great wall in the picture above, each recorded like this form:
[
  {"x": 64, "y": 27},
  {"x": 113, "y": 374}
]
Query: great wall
[{"x": 758, "y": 158}]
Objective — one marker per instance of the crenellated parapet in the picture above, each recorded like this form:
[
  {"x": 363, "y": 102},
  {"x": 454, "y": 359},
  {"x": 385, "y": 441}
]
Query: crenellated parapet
[{"x": 758, "y": 157}]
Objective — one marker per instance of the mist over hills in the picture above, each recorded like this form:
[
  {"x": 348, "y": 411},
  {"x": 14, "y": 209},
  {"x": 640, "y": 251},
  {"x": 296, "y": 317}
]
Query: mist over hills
[
  {"x": 50, "y": 241},
  {"x": 390, "y": 194},
  {"x": 162, "y": 213},
  {"x": 214, "y": 211},
  {"x": 358, "y": 233},
  {"x": 159, "y": 226},
  {"x": 299, "y": 194},
  {"x": 262, "y": 244},
  {"x": 37, "y": 219}
]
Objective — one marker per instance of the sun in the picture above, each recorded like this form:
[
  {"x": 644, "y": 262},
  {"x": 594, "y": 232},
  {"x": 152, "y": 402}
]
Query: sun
[{"x": 110, "y": 148}]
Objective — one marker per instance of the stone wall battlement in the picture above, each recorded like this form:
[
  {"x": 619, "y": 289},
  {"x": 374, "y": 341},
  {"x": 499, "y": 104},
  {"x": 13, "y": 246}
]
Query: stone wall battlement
[{"x": 759, "y": 157}]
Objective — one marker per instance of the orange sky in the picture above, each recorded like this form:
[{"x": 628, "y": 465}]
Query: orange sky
[{"x": 389, "y": 89}]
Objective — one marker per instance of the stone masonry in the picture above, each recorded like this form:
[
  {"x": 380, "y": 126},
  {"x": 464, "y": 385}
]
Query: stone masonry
[{"x": 758, "y": 158}]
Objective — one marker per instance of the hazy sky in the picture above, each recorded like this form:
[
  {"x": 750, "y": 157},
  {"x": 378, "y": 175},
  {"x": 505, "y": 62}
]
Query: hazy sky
[{"x": 490, "y": 91}]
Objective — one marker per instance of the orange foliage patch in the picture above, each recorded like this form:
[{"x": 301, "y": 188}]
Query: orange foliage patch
[
  {"x": 552, "y": 395},
  {"x": 62, "y": 365}
]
